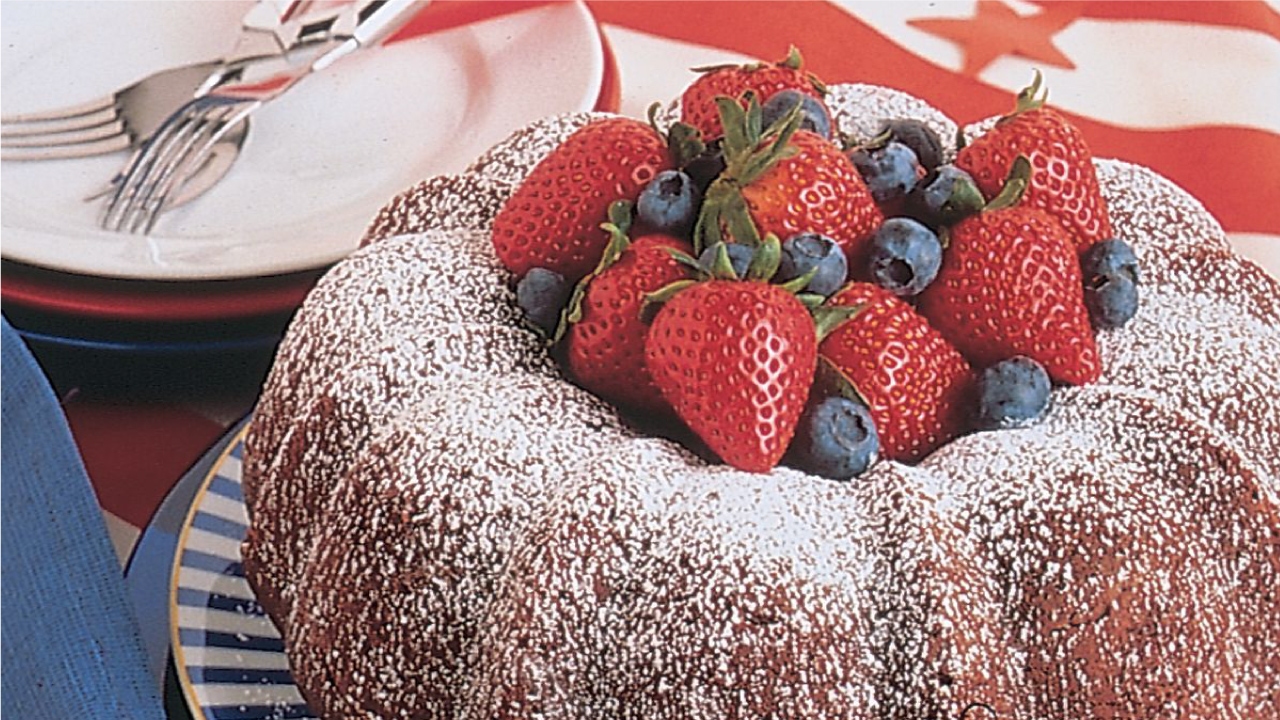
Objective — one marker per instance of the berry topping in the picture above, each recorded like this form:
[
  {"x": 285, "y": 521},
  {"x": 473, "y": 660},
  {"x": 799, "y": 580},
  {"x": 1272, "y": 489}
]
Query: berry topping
[
  {"x": 735, "y": 359},
  {"x": 739, "y": 258},
  {"x": 542, "y": 294},
  {"x": 1110, "y": 257},
  {"x": 904, "y": 256},
  {"x": 1063, "y": 181},
  {"x": 1111, "y": 301},
  {"x": 915, "y": 382},
  {"x": 919, "y": 137},
  {"x": 553, "y": 219},
  {"x": 1110, "y": 270},
  {"x": 813, "y": 114},
  {"x": 698, "y": 105},
  {"x": 1012, "y": 393},
  {"x": 890, "y": 172},
  {"x": 669, "y": 203},
  {"x": 949, "y": 197},
  {"x": 707, "y": 166},
  {"x": 784, "y": 183},
  {"x": 1010, "y": 285},
  {"x": 835, "y": 439},
  {"x": 819, "y": 254}
]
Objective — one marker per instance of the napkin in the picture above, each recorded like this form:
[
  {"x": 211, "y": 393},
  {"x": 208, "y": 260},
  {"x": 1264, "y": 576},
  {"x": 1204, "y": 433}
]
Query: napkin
[{"x": 69, "y": 637}]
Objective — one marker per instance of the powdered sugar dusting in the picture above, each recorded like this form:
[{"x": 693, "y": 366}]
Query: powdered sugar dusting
[{"x": 445, "y": 528}]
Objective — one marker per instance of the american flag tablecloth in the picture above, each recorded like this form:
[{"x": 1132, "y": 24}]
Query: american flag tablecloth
[{"x": 1190, "y": 89}]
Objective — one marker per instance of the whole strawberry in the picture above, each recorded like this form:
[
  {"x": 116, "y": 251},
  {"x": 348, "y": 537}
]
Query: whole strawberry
[
  {"x": 553, "y": 219},
  {"x": 916, "y": 384},
  {"x": 785, "y": 183},
  {"x": 605, "y": 335},
  {"x": 735, "y": 358},
  {"x": 698, "y": 102},
  {"x": 1063, "y": 181},
  {"x": 1009, "y": 285}
]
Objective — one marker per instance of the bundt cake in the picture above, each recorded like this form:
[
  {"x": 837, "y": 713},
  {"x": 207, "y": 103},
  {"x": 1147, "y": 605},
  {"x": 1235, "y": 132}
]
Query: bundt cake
[{"x": 443, "y": 526}]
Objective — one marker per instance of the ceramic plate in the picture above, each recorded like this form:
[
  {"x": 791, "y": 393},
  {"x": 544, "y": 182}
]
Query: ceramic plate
[
  {"x": 148, "y": 573},
  {"x": 229, "y": 656},
  {"x": 318, "y": 162}
]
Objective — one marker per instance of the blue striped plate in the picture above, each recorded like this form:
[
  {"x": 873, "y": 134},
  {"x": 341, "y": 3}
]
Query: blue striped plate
[{"x": 229, "y": 656}]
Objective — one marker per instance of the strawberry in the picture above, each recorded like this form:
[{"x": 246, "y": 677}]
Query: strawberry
[
  {"x": 735, "y": 358},
  {"x": 698, "y": 102},
  {"x": 917, "y": 385},
  {"x": 553, "y": 219},
  {"x": 605, "y": 335},
  {"x": 1010, "y": 284},
  {"x": 785, "y": 183},
  {"x": 1063, "y": 181}
]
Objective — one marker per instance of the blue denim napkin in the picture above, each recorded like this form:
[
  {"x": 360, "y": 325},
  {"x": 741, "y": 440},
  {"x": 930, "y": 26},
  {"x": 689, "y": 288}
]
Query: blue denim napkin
[{"x": 70, "y": 641}]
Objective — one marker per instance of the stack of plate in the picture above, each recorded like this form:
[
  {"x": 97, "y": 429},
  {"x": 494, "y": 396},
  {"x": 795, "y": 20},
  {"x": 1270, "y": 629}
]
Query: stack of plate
[{"x": 220, "y": 276}]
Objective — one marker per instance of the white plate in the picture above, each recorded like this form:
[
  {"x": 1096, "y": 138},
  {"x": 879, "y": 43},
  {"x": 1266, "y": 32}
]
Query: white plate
[{"x": 318, "y": 163}]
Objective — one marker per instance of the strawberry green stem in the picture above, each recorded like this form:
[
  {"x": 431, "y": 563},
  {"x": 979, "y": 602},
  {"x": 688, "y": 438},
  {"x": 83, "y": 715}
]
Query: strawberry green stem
[
  {"x": 1014, "y": 185},
  {"x": 745, "y": 161},
  {"x": 828, "y": 318},
  {"x": 1031, "y": 97},
  {"x": 766, "y": 259}
]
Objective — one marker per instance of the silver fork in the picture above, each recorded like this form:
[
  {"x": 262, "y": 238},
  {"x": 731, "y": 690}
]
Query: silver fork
[
  {"x": 127, "y": 117},
  {"x": 183, "y": 143}
]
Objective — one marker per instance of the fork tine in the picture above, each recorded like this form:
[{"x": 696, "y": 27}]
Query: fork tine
[
  {"x": 30, "y": 137},
  {"x": 91, "y": 133},
  {"x": 109, "y": 144},
  {"x": 193, "y": 159},
  {"x": 214, "y": 125},
  {"x": 70, "y": 112},
  {"x": 11, "y": 130},
  {"x": 130, "y": 182},
  {"x": 140, "y": 196}
]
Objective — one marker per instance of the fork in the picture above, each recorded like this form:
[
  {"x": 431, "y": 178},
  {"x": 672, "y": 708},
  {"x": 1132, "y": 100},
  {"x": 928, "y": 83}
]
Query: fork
[
  {"x": 179, "y": 148},
  {"x": 124, "y": 119}
]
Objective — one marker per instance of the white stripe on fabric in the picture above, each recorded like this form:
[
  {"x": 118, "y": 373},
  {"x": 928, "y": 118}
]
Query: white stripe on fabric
[
  {"x": 1215, "y": 75},
  {"x": 657, "y": 69},
  {"x": 1261, "y": 248}
]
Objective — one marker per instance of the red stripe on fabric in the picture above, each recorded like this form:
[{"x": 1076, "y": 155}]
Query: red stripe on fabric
[
  {"x": 1231, "y": 170},
  {"x": 135, "y": 453},
  {"x": 1225, "y": 167},
  {"x": 1247, "y": 15}
]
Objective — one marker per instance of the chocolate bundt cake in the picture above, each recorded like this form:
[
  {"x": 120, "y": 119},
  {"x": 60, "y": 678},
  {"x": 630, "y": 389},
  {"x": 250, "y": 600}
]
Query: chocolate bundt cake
[{"x": 444, "y": 527}]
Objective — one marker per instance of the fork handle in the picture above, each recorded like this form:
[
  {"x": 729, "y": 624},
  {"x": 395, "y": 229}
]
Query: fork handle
[{"x": 375, "y": 20}]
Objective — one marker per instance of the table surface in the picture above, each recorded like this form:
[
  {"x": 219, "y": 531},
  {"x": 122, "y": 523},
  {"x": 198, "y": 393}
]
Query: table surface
[{"x": 1197, "y": 116}]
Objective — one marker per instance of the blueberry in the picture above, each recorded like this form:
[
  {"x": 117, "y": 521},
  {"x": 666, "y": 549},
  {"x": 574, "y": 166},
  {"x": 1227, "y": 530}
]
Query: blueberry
[
  {"x": 904, "y": 256},
  {"x": 707, "y": 166},
  {"x": 1111, "y": 300},
  {"x": 920, "y": 138},
  {"x": 1110, "y": 270},
  {"x": 814, "y": 114},
  {"x": 739, "y": 257},
  {"x": 890, "y": 172},
  {"x": 836, "y": 439},
  {"x": 1012, "y": 393},
  {"x": 669, "y": 203},
  {"x": 806, "y": 251},
  {"x": 948, "y": 197},
  {"x": 542, "y": 294},
  {"x": 1110, "y": 257}
]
